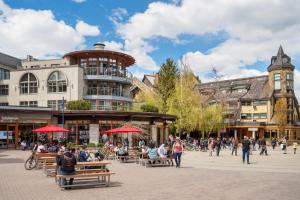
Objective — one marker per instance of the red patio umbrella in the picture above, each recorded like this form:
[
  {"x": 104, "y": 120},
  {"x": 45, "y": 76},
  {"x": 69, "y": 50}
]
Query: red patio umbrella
[
  {"x": 123, "y": 129},
  {"x": 50, "y": 129}
]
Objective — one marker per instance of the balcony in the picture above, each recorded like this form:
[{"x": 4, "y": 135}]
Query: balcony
[
  {"x": 105, "y": 93},
  {"x": 108, "y": 74}
]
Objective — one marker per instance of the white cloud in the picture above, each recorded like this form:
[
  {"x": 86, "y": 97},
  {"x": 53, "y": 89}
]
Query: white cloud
[
  {"x": 118, "y": 15},
  {"x": 36, "y": 32},
  {"x": 114, "y": 46},
  {"x": 255, "y": 29},
  {"x": 85, "y": 29},
  {"x": 78, "y": 1}
]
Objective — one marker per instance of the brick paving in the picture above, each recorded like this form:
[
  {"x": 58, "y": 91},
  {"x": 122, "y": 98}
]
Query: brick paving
[{"x": 276, "y": 176}]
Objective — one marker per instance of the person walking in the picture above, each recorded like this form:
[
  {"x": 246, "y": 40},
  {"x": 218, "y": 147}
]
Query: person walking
[
  {"x": 246, "y": 149},
  {"x": 235, "y": 143},
  {"x": 263, "y": 147},
  {"x": 273, "y": 143},
  {"x": 177, "y": 151},
  {"x": 284, "y": 144},
  {"x": 218, "y": 145},
  {"x": 210, "y": 146},
  {"x": 295, "y": 144}
]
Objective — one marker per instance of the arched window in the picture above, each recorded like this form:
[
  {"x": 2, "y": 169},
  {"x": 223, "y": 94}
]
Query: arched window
[
  {"x": 57, "y": 82},
  {"x": 28, "y": 84}
]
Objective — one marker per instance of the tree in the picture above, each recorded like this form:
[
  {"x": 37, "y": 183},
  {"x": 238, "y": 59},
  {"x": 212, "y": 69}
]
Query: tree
[
  {"x": 78, "y": 105},
  {"x": 185, "y": 102},
  {"x": 211, "y": 119},
  {"x": 142, "y": 98},
  {"x": 149, "y": 108},
  {"x": 166, "y": 83},
  {"x": 280, "y": 114}
]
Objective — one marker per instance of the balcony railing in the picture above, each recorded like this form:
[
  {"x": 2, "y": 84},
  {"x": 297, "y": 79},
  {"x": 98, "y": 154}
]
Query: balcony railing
[
  {"x": 97, "y": 71},
  {"x": 110, "y": 91}
]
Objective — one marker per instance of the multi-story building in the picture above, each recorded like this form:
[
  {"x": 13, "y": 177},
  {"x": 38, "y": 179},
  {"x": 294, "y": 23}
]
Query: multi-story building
[
  {"x": 40, "y": 87},
  {"x": 250, "y": 102},
  {"x": 99, "y": 76}
]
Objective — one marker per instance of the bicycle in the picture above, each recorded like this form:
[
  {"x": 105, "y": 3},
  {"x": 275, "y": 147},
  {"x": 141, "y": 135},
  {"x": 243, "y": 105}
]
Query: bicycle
[{"x": 31, "y": 162}]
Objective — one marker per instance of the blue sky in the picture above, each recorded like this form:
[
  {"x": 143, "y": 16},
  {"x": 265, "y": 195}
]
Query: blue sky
[{"x": 237, "y": 38}]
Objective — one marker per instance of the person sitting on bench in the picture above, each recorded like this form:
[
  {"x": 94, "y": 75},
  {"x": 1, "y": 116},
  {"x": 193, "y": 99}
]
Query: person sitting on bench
[
  {"x": 122, "y": 151},
  {"x": 152, "y": 153},
  {"x": 67, "y": 164},
  {"x": 162, "y": 151}
]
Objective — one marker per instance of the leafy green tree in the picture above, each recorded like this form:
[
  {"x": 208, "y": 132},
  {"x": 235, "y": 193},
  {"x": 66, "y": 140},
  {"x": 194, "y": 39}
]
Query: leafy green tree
[
  {"x": 280, "y": 115},
  {"x": 78, "y": 105},
  {"x": 144, "y": 97},
  {"x": 149, "y": 108},
  {"x": 185, "y": 102},
  {"x": 166, "y": 83},
  {"x": 211, "y": 119}
]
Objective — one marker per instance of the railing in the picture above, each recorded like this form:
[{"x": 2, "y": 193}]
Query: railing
[
  {"x": 97, "y": 71},
  {"x": 109, "y": 108},
  {"x": 114, "y": 91}
]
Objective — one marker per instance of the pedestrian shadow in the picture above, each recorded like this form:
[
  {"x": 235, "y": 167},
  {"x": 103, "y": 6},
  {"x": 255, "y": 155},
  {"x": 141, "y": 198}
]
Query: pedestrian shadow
[
  {"x": 111, "y": 185},
  {"x": 11, "y": 160}
]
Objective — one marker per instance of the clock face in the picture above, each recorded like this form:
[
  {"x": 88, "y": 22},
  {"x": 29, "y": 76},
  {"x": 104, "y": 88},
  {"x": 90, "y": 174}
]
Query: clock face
[{"x": 285, "y": 60}]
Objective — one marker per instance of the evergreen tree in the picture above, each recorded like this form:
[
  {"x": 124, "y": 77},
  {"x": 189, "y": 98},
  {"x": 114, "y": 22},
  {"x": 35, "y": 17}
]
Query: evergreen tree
[{"x": 166, "y": 83}]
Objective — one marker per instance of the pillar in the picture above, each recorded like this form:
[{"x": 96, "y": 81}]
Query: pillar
[
  {"x": 94, "y": 133},
  {"x": 154, "y": 133},
  {"x": 235, "y": 133},
  {"x": 253, "y": 134}
]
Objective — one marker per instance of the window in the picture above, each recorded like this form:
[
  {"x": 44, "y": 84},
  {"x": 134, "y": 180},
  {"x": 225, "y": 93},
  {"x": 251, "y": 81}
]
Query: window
[
  {"x": 4, "y": 104},
  {"x": 3, "y": 90},
  {"x": 83, "y": 62},
  {"x": 29, "y": 103},
  {"x": 52, "y": 104},
  {"x": 260, "y": 116},
  {"x": 4, "y": 74},
  {"x": 246, "y": 116},
  {"x": 28, "y": 84},
  {"x": 57, "y": 82},
  {"x": 289, "y": 81},
  {"x": 56, "y": 104},
  {"x": 246, "y": 103},
  {"x": 277, "y": 79},
  {"x": 259, "y": 103}
]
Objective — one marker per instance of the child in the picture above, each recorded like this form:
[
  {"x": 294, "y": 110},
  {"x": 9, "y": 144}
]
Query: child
[{"x": 295, "y": 147}]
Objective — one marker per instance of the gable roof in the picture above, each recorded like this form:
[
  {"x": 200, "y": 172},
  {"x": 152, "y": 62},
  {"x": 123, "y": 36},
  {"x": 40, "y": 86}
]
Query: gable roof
[{"x": 235, "y": 89}]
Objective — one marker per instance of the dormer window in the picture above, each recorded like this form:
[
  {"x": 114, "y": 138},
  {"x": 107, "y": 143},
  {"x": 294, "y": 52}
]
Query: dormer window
[{"x": 285, "y": 60}]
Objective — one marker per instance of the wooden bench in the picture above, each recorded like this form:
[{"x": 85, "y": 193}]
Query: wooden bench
[
  {"x": 158, "y": 162},
  {"x": 81, "y": 179},
  {"x": 40, "y": 160}
]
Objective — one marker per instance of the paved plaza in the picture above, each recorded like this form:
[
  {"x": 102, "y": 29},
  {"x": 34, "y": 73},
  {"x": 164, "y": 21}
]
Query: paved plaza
[{"x": 276, "y": 176}]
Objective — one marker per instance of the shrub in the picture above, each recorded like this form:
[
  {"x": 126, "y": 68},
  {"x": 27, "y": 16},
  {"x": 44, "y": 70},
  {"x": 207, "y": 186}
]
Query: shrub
[
  {"x": 78, "y": 105},
  {"x": 149, "y": 108},
  {"x": 91, "y": 145}
]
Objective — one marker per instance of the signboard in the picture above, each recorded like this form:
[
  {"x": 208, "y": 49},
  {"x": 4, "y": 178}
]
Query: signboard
[
  {"x": 9, "y": 119},
  {"x": 83, "y": 134},
  {"x": 252, "y": 129},
  {"x": 223, "y": 130}
]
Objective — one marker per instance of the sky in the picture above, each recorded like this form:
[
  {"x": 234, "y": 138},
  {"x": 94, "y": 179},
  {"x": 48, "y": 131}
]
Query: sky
[{"x": 236, "y": 37}]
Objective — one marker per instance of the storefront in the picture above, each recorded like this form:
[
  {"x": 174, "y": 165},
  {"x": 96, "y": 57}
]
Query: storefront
[
  {"x": 86, "y": 126},
  {"x": 17, "y": 123}
]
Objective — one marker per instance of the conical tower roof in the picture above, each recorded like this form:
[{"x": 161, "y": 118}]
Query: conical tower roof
[{"x": 280, "y": 61}]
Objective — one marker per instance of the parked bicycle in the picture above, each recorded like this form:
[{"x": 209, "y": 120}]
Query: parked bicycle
[{"x": 31, "y": 162}]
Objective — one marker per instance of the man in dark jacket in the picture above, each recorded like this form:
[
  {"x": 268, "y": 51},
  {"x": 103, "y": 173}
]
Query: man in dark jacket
[
  {"x": 67, "y": 164},
  {"x": 263, "y": 147},
  {"x": 246, "y": 149},
  {"x": 218, "y": 145}
]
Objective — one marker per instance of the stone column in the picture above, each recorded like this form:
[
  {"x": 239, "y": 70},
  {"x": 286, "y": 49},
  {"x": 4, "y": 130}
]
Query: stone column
[
  {"x": 94, "y": 133},
  {"x": 235, "y": 133},
  {"x": 154, "y": 133}
]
